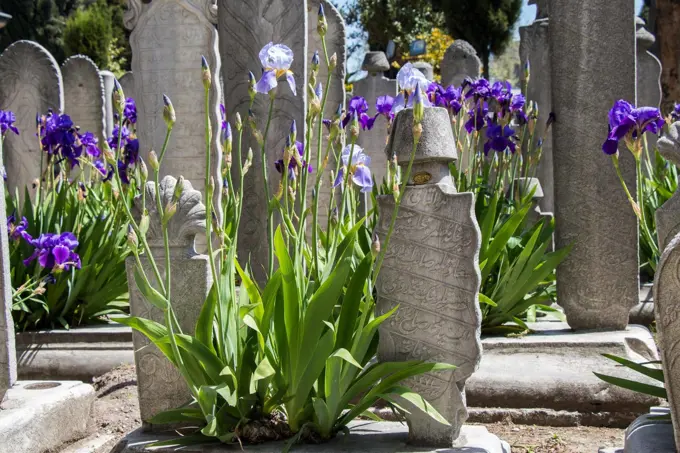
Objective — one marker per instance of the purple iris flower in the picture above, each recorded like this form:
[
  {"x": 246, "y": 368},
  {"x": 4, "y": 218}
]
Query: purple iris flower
[
  {"x": 516, "y": 107},
  {"x": 15, "y": 231},
  {"x": 624, "y": 121},
  {"x": 7, "y": 119},
  {"x": 408, "y": 78},
  {"x": 122, "y": 172},
  {"x": 276, "y": 60},
  {"x": 479, "y": 89},
  {"x": 500, "y": 138},
  {"x": 89, "y": 141},
  {"x": 675, "y": 114},
  {"x": 383, "y": 106},
  {"x": 100, "y": 166},
  {"x": 55, "y": 251},
  {"x": 130, "y": 111},
  {"x": 361, "y": 174},
  {"x": 59, "y": 136},
  {"x": 477, "y": 117},
  {"x": 292, "y": 165},
  {"x": 358, "y": 108},
  {"x": 131, "y": 155},
  {"x": 454, "y": 99},
  {"x": 501, "y": 92},
  {"x": 436, "y": 95},
  {"x": 113, "y": 140}
]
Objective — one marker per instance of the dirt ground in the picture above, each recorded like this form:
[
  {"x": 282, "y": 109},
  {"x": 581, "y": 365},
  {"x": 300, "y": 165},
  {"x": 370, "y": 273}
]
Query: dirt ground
[{"x": 116, "y": 412}]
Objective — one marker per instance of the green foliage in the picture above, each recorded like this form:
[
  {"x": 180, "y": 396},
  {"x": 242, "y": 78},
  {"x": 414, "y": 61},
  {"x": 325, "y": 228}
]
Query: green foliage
[
  {"x": 506, "y": 66},
  {"x": 89, "y": 32}
]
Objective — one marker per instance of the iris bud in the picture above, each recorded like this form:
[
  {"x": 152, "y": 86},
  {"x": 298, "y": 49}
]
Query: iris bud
[
  {"x": 118, "y": 97},
  {"x": 315, "y": 61},
  {"x": 153, "y": 161},
  {"x": 418, "y": 106},
  {"x": 333, "y": 62},
  {"x": 143, "y": 170},
  {"x": 375, "y": 246},
  {"x": 168, "y": 112},
  {"x": 293, "y": 132},
  {"x": 169, "y": 211},
  {"x": 132, "y": 239},
  {"x": 252, "y": 82},
  {"x": 322, "y": 24},
  {"x": 249, "y": 161},
  {"x": 144, "y": 222},
  {"x": 206, "y": 76},
  {"x": 179, "y": 188},
  {"x": 239, "y": 122},
  {"x": 227, "y": 138}
]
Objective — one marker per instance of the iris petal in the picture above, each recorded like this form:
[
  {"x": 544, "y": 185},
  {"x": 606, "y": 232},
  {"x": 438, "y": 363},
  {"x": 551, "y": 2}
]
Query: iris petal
[{"x": 267, "y": 82}]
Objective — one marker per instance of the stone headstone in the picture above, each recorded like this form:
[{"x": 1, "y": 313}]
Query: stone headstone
[
  {"x": 31, "y": 83},
  {"x": 668, "y": 215},
  {"x": 667, "y": 310},
  {"x": 534, "y": 47},
  {"x": 431, "y": 271},
  {"x": 541, "y": 8},
  {"x": 127, "y": 82},
  {"x": 168, "y": 38},
  {"x": 426, "y": 68},
  {"x": 8, "y": 364},
  {"x": 460, "y": 61},
  {"x": 245, "y": 27},
  {"x": 108, "y": 79},
  {"x": 598, "y": 282},
  {"x": 375, "y": 62},
  {"x": 160, "y": 385},
  {"x": 84, "y": 95},
  {"x": 648, "y": 68}
]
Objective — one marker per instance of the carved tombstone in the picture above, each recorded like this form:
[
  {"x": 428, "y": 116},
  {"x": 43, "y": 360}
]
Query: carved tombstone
[
  {"x": 31, "y": 83},
  {"x": 534, "y": 47},
  {"x": 8, "y": 364},
  {"x": 668, "y": 215},
  {"x": 375, "y": 84},
  {"x": 127, "y": 82},
  {"x": 160, "y": 385},
  {"x": 245, "y": 27},
  {"x": 598, "y": 282},
  {"x": 667, "y": 311},
  {"x": 431, "y": 271},
  {"x": 335, "y": 43},
  {"x": 460, "y": 61},
  {"x": 84, "y": 95},
  {"x": 108, "y": 78},
  {"x": 168, "y": 38}
]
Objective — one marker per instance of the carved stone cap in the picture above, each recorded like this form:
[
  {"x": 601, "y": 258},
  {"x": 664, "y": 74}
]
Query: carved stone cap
[
  {"x": 669, "y": 144},
  {"x": 526, "y": 185},
  {"x": 188, "y": 221},
  {"x": 644, "y": 38},
  {"x": 436, "y": 143},
  {"x": 375, "y": 62}
]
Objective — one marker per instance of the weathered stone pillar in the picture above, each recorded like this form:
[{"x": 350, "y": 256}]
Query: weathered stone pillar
[
  {"x": 668, "y": 215},
  {"x": 108, "y": 79},
  {"x": 245, "y": 27},
  {"x": 431, "y": 271},
  {"x": 592, "y": 43},
  {"x": 160, "y": 385},
  {"x": 460, "y": 61},
  {"x": 8, "y": 363},
  {"x": 84, "y": 95},
  {"x": 648, "y": 69}
]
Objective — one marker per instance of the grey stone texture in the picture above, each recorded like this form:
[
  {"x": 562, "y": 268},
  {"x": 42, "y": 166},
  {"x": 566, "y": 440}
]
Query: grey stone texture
[
  {"x": 31, "y": 83},
  {"x": 667, "y": 309},
  {"x": 84, "y": 95},
  {"x": 431, "y": 271},
  {"x": 378, "y": 437},
  {"x": 108, "y": 80},
  {"x": 542, "y": 8},
  {"x": 40, "y": 416},
  {"x": 648, "y": 68},
  {"x": 375, "y": 62},
  {"x": 245, "y": 27},
  {"x": 557, "y": 372},
  {"x": 426, "y": 68},
  {"x": 168, "y": 38},
  {"x": 649, "y": 434},
  {"x": 598, "y": 283},
  {"x": 643, "y": 312},
  {"x": 668, "y": 215},
  {"x": 524, "y": 186},
  {"x": 127, "y": 82},
  {"x": 460, "y": 61},
  {"x": 160, "y": 385},
  {"x": 535, "y": 48},
  {"x": 80, "y": 353},
  {"x": 8, "y": 365}
]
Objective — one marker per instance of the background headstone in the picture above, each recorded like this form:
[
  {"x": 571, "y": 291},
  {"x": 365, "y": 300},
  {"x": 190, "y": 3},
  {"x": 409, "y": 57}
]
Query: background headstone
[
  {"x": 127, "y": 82},
  {"x": 431, "y": 271},
  {"x": 534, "y": 46},
  {"x": 8, "y": 364},
  {"x": 168, "y": 38},
  {"x": 31, "y": 83},
  {"x": 592, "y": 43},
  {"x": 668, "y": 215},
  {"x": 108, "y": 80},
  {"x": 460, "y": 61},
  {"x": 648, "y": 74},
  {"x": 426, "y": 68},
  {"x": 84, "y": 95},
  {"x": 159, "y": 383},
  {"x": 542, "y": 8},
  {"x": 245, "y": 27}
]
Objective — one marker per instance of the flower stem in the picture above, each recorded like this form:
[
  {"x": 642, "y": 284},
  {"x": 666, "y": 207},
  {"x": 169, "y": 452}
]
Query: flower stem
[
  {"x": 209, "y": 192},
  {"x": 265, "y": 181}
]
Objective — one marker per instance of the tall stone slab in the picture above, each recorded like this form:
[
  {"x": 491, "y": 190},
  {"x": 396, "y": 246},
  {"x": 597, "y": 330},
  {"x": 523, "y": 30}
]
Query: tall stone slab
[
  {"x": 335, "y": 43},
  {"x": 668, "y": 215},
  {"x": 31, "y": 83},
  {"x": 534, "y": 47},
  {"x": 84, "y": 95},
  {"x": 108, "y": 79},
  {"x": 648, "y": 68},
  {"x": 160, "y": 385},
  {"x": 245, "y": 27},
  {"x": 127, "y": 82},
  {"x": 8, "y": 363},
  {"x": 460, "y": 61},
  {"x": 667, "y": 311},
  {"x": 592, "y": 43},
  {"x": 168, "y": 38},
  {"x": 375, "y": 84},
  {"x": 431, "y": 272}
]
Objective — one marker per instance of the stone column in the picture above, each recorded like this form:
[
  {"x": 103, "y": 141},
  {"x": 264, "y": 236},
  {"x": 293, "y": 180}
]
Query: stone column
[
  {"x": 431, "y": 271},
  {"x": 592, "y": 43},
  {"x": 127, "y": 82},
  {"x": 460, "y": 61},
  {"x": 668, "y": 215},
  {"x": 648, "y": 69},
  {"x": 108, "y": 80},
  {"x": 159, "y": 383},
  {"x": 245, "y": 27},
  {"x": 84, "y": 95},
  {"x": 8, "y": 363},
  {"x": 31, "y": 83},
  {"x": 375, "y": 84},
  {"x": 535, "y": 48}
]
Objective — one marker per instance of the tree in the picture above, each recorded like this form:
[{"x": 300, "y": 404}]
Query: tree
[
  {"x": 668, "y": 39},
  {"x": 486, "y": 24},
  {"x": 89, "y": 32}
]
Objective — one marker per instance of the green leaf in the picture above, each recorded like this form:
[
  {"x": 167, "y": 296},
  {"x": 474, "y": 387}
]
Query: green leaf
[
  {"x": 351, "y": 302},
  {"x": 204, "y": 324},
  {"x": 345, "y": 355},
  {"x": 485, "y": 300},
  {"x": 150, "y": 294},
  {"x": 654, "y": 373},
  {"x": 263, "y": 370},
  {"x": 419, "y": 402},
  {"x": 646, "y": 389},
  {"x": 181, "y": 415}
]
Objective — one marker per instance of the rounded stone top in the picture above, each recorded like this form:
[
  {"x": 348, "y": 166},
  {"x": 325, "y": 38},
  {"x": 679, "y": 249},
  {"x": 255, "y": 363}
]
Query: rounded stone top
[
  {"x": 436, "y": 143},
  {"x": 375, "y": 62},
  {"x": 526, "y": 185},
  {"x": 644, "y": 38}
]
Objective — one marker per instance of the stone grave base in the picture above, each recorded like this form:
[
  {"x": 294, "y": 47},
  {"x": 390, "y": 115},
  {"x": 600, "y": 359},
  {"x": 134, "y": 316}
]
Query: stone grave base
[
  {"x": 37, "y": 416},
  {"x": 647, "y": 435},
  {"x": 549, "y": 375},
  {"x": 365, "y": 437}
]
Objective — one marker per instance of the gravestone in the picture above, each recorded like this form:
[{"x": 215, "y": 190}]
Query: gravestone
[
  {"x": 168, "y": 38},
  {"x": 245, "y": 27},
  {"x": 127, "y": 82},
  {"x": 84, "y": 95},
  {"x": 542, "y": 8},
  {"x": 598, "y": 282},
  {"x": 648, "y": 68},
  {"x": 460, "y": 61},
  {"x": 31, "y": 83},
  {"x": 108, "y": 79},
  {"x": 8, "y": 363},
  {"x": 431, "y": 272},
  {"x": 667, "y": 311},
  {"x": 426, "y": 68},
  {"x": 159, "y": 384},
  {"x": 534, "y": 47},
  {"x": 335, "y": 44},
  {"x": 374, "y": 85},
  {"x": 668, "y": 215}
]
